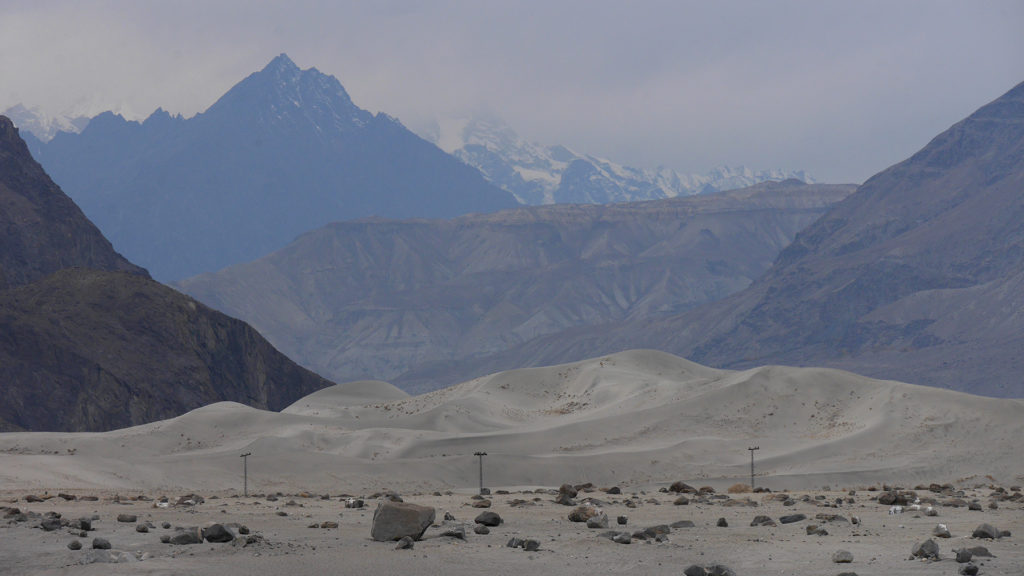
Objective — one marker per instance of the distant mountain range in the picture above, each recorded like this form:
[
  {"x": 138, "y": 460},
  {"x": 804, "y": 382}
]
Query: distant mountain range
[
  {"x": 538, "y": 174},
  {"x": 918, "y": 276},
  {"x": 281, "y": 153},
  {"x": 89, "y": 342},
  {"x": 37, "y": 127},
  {"x": 379, "y": 298}
]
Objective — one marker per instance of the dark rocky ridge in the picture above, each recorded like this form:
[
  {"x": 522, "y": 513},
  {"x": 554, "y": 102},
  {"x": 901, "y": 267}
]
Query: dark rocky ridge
[
  {"x": 96, "y": 350},
  {"x": 41, "y": 229},
  {"x": 379, "y": 298},
  {"x": 89, "y": 342}
]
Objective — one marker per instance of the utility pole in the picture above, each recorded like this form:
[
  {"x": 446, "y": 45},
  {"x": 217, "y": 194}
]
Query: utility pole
[
  {"x": 245, "y": 473},
  {"x": 752, "y": 466},
  {"x": 481, "y": 456}
]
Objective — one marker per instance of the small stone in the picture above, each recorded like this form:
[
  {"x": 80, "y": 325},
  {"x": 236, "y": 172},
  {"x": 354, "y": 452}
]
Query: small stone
[
  {"x": 791, "y": 518},
  {"x": 722, "y": 523},
  {"x": 481, "y": 503},
  {"x": 969, "y": 569},
  {"x": 928, "y": 550},
  {"x": 488, "y": 519},
  {"x": 74, "y": 545},
  {"x": 141, "y": 528},
  {"x": 100, "y": 544},
  {"x": 681, "y": 501},
  {"x": 987, "y": 531},
  {"x": 481, "y": 529},
  {"x": 405, "y": 543},
  {"x": 762, "y": 520},
  {"x": 327, "y": 524},
  {"x": 842, "y": 557},
  {"x": 598, "y": 521},
  {"x": 622, "y": 520},
  {"x": 964, "y": 556},
  {"x": 941, "y": 531},
  {"x": 531, "y": 545},
  {"x": 694, "y": 570}
]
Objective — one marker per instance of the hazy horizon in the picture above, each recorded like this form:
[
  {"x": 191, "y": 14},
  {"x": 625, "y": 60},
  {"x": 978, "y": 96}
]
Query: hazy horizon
[{"x": 842, "y": 91}]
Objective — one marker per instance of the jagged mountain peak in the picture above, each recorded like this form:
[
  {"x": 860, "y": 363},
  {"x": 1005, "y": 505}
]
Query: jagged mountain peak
[{"x": 281, "y": 92}]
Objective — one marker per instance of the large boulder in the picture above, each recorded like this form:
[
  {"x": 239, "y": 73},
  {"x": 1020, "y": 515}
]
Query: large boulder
[
  {"x": 488, "y": 519},
  {"x": 218, "y": 533},
  {"x": 395, "y": 520},
  {"x": 987, "y": 531}
]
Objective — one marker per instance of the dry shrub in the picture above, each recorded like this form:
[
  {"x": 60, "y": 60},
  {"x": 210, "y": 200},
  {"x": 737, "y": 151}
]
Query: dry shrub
[{"x": 739, "y": 488}]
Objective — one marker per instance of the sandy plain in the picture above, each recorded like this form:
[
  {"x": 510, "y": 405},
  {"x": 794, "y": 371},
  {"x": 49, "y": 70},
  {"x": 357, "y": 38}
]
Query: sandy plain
[{"x": 638, "y": 420}]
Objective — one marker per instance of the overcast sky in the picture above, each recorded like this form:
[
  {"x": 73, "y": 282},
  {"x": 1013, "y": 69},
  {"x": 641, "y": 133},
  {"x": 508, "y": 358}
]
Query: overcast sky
[{"x": 841, "y": 89}]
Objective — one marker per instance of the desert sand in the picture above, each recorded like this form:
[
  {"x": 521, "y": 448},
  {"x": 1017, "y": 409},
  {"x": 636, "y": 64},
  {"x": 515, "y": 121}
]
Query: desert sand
[{"x": 638, "y": 421}]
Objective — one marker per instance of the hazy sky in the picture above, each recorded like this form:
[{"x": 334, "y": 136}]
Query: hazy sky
[{"x": 841, "y": 89}]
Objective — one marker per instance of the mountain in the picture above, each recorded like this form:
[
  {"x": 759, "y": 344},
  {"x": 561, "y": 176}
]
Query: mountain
[
  {"x": 281, "y": 153},
  {"x": 89, "y": 342},
  {"x": 377, "y": 298},
  {"x": 41, "y": 127},
  {"x": 41, "y": 229},
  {"x": 917, "y": 276},
  {"x": 538, "y": 174}
]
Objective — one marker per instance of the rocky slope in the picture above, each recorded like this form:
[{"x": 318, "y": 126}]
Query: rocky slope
[
  {"x": 917, "y": 276},
  {"x": 378, "y": 298},
  {"x": 281, "y": 153},
  {"x": 41, "y": 229},
  {"x": 89, "y": 342}
]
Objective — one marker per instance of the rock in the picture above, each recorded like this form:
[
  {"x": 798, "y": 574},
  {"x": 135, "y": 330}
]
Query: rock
[
  {"x": 404, "y": 543},
  {"x": 565, "y": 499},
  {"x": 568, "y": 489},
  {"x": 987, "y": 531},
  {"x": 791, "y": 518},
  {"x": 969, "y": 569},
  {"x": 622, "y": 520},
  {"x": 599, "y": 520},
  {"x": 100, "y": 544},
  {"x": 457, "y": 532},
  {"x": 165, "y": 539},
  {"x": 682, "y": 524},
  {"x": 682, "y": 487},
  {"x": 964, "y": 555},
  {"x": 975, "y": 506},
  {"x": 622, "y": 538},
  {"x": 329, "y": 524},
  {"x": 531, "y": 545},
  {"x": 681, "y": 501},
  {"x": 354, "y": 503},
  {"x": 657, "y": 530},
  {"x": 842, "y": 557},
  {"x": 186, "y": 536},
  {"x": 980, "y": 552},
  {"x": 719, "y": 570},
  {"x": 928, "y": 550},
  {"x": 614, "y": 490},
  {"x": 395, "y": 520},
  {"x": 165, "y": 525},
  {"x": 762, "y": 520},
  {"x": 514, "y": 542},
  {"x": 722, "y": 523},
  {"x": 941, "y": 531},
  {"x": 50, "y": 523},
  {"x": 481, "y": 529},
  {"x": 127, "y": 518},
  {"x": 815, "y": 530},
  {"x": 141, "y": 528},
  {"x": 108, "y": 557},
  {"x": 218, "y": 533},
  {"x": 481, "y": 503},
  {"x": 582, "y": 513},
  {"x": 488, "y": 519},
  {"x": 74, "y": 545},
  {"x": 68, "y": 497},
  {"x": 694, "y": 570}
]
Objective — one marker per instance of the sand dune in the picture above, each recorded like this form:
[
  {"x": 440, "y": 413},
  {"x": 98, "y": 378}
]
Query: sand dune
[{"x": 635, "y": 418}]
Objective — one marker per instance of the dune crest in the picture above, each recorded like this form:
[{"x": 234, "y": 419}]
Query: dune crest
[{"x": 638, "y": 417}]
